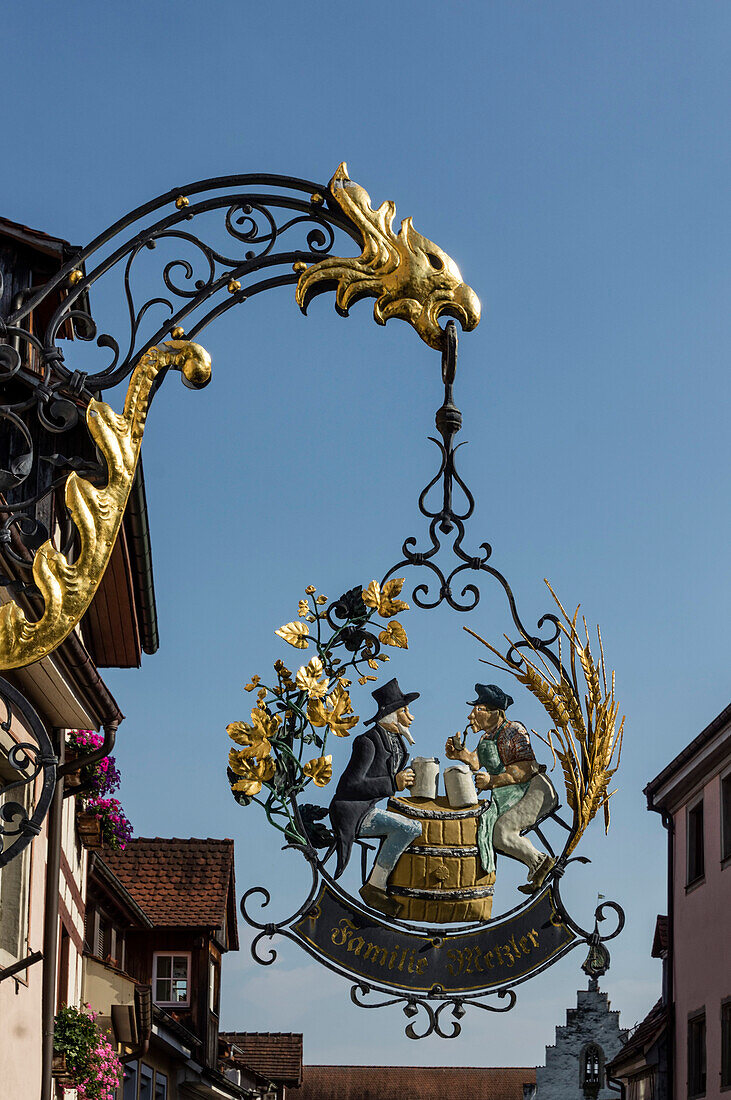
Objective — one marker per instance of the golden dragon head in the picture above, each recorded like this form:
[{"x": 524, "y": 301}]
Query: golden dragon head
[{"x": 409, "y": 276}]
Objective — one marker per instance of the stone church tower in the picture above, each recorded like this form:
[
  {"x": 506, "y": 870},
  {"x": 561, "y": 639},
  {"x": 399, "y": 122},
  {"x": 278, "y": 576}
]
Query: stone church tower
[{"x": 590, "y": 1038}]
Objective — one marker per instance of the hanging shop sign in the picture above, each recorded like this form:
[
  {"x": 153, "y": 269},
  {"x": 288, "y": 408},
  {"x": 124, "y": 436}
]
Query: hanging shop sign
[{"x": 430, "y": 842}]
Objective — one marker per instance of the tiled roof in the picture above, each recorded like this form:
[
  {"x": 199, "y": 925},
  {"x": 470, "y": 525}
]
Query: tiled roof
[
  {"x": 660, "y": 942},
  {"x": 643, "y": 1036},
  {"x": 33, "y": 237},
  {"x": 178, "y": 883},
  {"x": 426, "y": 1082},
  {"x": 273, "y": 1055}
]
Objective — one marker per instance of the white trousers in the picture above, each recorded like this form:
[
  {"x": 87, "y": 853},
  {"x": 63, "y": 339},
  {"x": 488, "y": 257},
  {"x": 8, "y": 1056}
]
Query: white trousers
[{"x": 538, "y": 800}]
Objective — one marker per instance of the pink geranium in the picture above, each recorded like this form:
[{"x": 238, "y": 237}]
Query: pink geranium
[
  {"x": 103, "y": 776},
  {"x": 116, "y": 829}
]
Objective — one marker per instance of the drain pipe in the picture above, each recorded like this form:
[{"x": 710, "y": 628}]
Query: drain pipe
[{"x": 53, "y": 879}]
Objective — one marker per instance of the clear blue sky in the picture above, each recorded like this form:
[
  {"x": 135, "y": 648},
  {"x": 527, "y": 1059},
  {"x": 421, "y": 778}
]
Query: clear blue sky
[{"x": 574, "y": 159}]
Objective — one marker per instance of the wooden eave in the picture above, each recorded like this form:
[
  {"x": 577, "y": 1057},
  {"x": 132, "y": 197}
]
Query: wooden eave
[{"x": 110, "y": 627}]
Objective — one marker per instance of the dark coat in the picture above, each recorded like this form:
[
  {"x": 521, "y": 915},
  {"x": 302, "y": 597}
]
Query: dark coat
[{"x": 369, "y": 776}]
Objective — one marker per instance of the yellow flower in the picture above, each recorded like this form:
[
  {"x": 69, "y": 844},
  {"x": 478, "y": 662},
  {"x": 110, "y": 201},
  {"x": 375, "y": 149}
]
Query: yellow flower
[
  {"x": 365, "y": 679},
  {"x": 252, "y": 775},
  {"x": 320, "y": 770},
  {"x": 303, "y": 609},
  {"x": 321, "y": 599},
  {"x": 295, "y": 634},
  {"x": 308, "y": 678},
  {"x": 344, "y": 681},
  {"x": 254, "y": 681},
  {"x": 310, "y": 589},
  {"x": 281, "y": 669}
]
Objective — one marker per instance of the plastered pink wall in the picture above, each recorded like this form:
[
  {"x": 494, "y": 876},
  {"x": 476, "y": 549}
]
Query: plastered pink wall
[
  {"x": 20, "y": 1005},
  {"x": 20, "y": 1012},
  {"x": 702, "y": 942}
]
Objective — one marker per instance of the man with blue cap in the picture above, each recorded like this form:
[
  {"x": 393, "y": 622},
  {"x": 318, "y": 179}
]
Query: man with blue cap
[{"x": 522, "y": 794}]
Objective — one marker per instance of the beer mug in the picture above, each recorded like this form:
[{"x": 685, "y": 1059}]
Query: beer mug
[
  {"x": 426, "y": 769},
  {"x": 460, "y": 786}
]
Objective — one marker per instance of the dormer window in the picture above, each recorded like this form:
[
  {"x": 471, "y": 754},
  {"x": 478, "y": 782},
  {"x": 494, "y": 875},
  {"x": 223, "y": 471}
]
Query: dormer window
[{"x": 171, "y": 978}]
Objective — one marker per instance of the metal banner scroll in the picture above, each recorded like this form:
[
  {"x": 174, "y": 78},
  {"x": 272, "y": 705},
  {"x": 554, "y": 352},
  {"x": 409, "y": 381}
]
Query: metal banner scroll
[{"x": 470, "y": 961}]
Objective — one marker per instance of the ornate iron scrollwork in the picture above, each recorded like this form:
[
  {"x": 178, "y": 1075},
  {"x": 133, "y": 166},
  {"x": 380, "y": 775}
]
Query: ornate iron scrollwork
[
  {"x": 221, "y": 241},
  {"x": 447, "y": 518},
  {"x": 21, "y": 812},
  {"x": 391, "y": 962}
]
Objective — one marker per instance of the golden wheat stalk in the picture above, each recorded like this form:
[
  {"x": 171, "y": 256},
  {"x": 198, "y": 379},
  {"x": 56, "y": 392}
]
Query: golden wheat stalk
[{"x": 588, "y": 742}]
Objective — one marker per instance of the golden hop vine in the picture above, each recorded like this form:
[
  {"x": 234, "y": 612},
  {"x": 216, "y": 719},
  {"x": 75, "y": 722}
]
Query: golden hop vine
[{"x": 300, "y": 709}]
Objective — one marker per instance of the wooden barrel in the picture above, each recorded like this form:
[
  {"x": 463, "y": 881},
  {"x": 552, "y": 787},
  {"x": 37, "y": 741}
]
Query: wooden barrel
[{"x": 439, "y": 879}]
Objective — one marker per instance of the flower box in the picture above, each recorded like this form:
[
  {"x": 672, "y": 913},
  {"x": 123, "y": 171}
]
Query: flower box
[
  {"x": 72, "y": 779},
  {"x": 60, "y": 1071},
  {"x": 89, "y": 828}
]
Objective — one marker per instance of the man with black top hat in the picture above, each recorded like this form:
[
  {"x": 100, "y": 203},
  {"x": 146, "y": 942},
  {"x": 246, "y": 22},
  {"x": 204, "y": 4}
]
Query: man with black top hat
[
  {"x": 522, "y": 794},
  {"x": 377, "y": 769}
]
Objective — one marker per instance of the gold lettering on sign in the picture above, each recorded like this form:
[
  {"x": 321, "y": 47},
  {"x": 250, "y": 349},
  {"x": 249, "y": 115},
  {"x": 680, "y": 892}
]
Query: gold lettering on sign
[
  {"x": 340, "y": 935},
  {"x": 399, "y": 958},
  {"x": 467, "y": 960},
  {"x": 373, "y": 949}
]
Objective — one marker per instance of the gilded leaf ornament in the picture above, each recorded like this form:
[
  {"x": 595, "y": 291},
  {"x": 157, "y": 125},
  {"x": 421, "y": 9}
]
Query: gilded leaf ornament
[
  {"x": 68, "y": 588},
  {"x": 295, "y": 710},
  {"x": 409, "y": 276}
]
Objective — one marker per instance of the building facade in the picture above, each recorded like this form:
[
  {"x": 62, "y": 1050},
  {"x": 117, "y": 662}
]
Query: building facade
[
  {"x": 576, "y": 1064},
  {"x": 693, "y": 795},
  {"x": 682, "y": 1049}
]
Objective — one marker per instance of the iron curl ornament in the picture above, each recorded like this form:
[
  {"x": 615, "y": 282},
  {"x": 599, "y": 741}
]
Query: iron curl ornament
[
  {"x": 434, "y": 974},
  {"x": 232, "y": 238},
  {"x": 26, "y": 788}
]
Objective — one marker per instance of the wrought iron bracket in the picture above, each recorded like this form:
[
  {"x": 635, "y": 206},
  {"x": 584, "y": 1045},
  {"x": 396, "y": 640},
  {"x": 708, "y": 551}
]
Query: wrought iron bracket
[
  {"x": 19, "y": 824},
  {"x": 22, "y": 964}
]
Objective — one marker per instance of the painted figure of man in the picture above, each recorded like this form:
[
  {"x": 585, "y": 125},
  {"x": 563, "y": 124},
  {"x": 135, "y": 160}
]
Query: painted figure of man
[
  {"x": 522, "y": 794},
  {"x": 377, "y": 769}
]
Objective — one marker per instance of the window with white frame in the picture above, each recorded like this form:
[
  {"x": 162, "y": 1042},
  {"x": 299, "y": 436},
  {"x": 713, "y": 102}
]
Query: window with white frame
[{"x": 171, "y": 978}]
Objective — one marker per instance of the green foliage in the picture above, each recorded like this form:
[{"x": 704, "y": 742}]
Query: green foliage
[{"x": 75, "y": 1034}]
